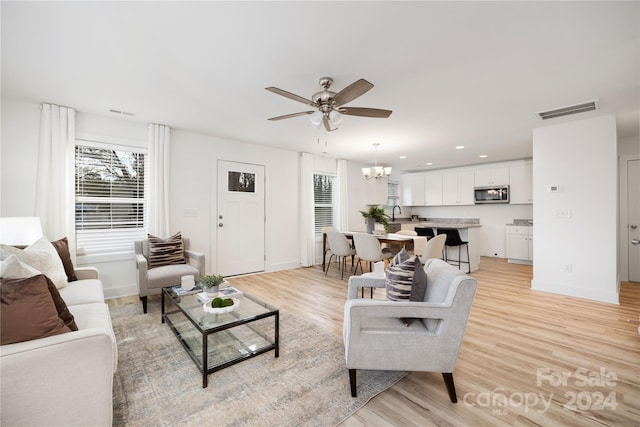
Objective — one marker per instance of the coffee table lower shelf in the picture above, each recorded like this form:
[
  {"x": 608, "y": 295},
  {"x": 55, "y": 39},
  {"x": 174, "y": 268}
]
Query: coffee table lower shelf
[{"x": 232, "y": 338}]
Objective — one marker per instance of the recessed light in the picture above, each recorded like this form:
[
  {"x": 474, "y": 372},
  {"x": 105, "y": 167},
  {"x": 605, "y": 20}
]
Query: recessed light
[
  {"x": 429, "y": 164},
  {"x": 459, "y": 147},
  {"x": 482, "y": 156},
  {"x": 403, "y": 157}
]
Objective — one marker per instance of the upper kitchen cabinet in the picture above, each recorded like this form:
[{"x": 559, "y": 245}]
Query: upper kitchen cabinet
[
  {"x": 458, "y": 188},
  {"x": 412, "y": 190},
  {"x": 433, "y": 190},
  {"x": 521, "y": 184},
  {"x": 487, "y": 177}
]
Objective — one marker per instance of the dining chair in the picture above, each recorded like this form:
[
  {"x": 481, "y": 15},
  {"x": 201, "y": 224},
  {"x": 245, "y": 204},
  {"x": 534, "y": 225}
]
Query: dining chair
[
  {"x": 369, "y": 249},
  {"x": 341, "y": 249},
  {"x": 453, "y": 240},
  {"x": 327, "y": 249},
  {"x": 433, "y": 248}
]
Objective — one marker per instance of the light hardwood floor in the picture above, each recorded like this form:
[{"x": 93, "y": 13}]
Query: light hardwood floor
[{"x": 528, "y": 358}]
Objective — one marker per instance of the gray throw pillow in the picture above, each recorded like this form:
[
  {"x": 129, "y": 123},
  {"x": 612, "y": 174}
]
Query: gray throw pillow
[{"x": 418, "y": 287}]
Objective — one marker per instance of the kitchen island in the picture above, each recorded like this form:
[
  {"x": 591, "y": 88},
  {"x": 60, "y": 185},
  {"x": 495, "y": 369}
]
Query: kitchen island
[{"x": 468, "y": 229}]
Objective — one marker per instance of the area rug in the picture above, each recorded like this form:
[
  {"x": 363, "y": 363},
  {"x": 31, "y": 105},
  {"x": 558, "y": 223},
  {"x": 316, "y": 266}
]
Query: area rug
[{"x": 157, "y": 383}]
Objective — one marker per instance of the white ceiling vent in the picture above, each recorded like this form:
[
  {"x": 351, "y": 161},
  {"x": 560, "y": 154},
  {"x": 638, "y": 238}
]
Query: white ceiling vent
[{"x": 566, "y": 111}]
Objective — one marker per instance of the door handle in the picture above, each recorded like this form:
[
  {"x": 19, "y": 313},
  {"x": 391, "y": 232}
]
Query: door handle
[
  {"x": 633, "y": 226},
  {"x": 220, "y": 224},
  {"x": 635, "y": 242}
]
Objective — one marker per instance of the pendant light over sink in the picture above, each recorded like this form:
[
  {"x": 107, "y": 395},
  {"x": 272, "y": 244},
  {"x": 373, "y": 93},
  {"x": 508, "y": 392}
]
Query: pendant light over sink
[{"x": 376, "y": 172}]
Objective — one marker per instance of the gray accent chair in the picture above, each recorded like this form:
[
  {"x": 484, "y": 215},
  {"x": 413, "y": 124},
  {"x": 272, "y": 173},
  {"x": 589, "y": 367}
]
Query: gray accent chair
[
  {"x": 151, "y": 281},
  {"x": 376, "y": 339}
]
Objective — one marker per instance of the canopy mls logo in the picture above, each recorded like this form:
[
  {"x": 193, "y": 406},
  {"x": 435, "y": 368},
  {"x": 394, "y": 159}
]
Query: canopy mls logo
[{"x": 586, "y": 399}]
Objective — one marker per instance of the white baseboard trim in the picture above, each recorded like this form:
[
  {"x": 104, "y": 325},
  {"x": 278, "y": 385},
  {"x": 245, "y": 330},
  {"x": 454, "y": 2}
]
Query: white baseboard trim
[
  {"x": 573, "y": 291},
  {"x": 121, "y": 291}
]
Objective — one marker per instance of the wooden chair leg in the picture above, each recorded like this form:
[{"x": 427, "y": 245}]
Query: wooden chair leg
[
  {"x": 352, "y": 381},
  {"x": 451, "y": 388},
  {"x": 144, "y": 304}
]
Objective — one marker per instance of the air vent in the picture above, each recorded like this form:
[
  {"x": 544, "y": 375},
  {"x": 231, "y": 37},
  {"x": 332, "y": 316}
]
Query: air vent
[{"x": 567, "y": 111}]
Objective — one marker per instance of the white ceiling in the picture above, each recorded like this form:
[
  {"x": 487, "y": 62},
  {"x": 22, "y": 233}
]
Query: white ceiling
[{"x": 454, "y": 73}]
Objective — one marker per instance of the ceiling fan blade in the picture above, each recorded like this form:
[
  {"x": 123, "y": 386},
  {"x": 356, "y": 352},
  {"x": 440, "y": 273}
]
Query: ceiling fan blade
[
  {"x": 290, "y": 95},
  {"x": 366, "y": 112},
  {"x": 288, "y": 116},
  {"x": 352, "y": 91}
]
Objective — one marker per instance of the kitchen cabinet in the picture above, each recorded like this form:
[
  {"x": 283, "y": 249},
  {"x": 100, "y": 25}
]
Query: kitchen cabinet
[
  {"x": 487, "y": 177},
  {"x": 521, "y": 187},
  {"x": 412, "y": 190},
  {"x": 519, "y": 244},
  {"x": 457, "y": 188},
  {"x": 433, "y": 190}
]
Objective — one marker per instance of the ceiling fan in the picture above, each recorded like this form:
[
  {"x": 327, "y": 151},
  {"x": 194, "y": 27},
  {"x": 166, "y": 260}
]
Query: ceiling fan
[{"x": 329, "y": 105}]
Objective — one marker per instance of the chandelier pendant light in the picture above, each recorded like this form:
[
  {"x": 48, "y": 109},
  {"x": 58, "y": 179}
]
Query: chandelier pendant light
[{"x": 376, "y": 172}]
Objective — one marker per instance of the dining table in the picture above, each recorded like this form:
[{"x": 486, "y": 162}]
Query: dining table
[{"x": 389, "y": 238}]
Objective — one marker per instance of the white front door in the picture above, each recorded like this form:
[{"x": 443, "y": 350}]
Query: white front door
[
  {"x": 633, "y": 219},
  {"x": 240, "y": 219}
]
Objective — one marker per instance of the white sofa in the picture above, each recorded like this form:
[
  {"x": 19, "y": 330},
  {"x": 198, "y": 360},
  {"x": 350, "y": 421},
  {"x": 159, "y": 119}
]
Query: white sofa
[{"x": 66, "y": 379}]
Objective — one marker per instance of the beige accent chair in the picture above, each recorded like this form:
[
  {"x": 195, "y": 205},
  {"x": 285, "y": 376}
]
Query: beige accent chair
[
  {"x": 152, "y": 280},
  {"x": 376, "y": 339}
]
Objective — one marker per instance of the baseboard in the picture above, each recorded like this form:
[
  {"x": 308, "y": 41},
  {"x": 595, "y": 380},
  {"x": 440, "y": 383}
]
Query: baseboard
[
  {"x": 573, "y": 291},
  {"x": 121, "y": 291}
]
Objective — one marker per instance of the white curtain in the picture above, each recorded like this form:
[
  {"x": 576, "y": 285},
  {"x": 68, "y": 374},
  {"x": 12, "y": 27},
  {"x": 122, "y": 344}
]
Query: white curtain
[
  {"x": 158, "y": 180},
  {"x": 343, "y": 198},
  {"x": 54, "y": 202},
  {"x": 307, "y": 214}
]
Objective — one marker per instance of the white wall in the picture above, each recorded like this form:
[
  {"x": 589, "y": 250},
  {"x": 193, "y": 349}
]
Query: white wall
[
  {"x": 193, "y": 162},
  {"x": 576, "y": 256},
  {"x": 18, "y": 157},
  {"x": 194, "y": 201}
]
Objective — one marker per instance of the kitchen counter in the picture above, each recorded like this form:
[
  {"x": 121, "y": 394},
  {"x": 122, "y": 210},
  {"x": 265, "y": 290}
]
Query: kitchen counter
[{"x": 468, "y": 229}]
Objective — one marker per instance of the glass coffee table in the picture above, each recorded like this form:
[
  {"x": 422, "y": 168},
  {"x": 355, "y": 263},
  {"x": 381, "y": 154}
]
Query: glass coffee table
[{"x": 216, "y": 341}]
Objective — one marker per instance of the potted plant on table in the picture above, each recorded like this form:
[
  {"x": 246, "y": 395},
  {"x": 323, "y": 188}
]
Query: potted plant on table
[
  {"x": 210, "y": 284},
  {"x": 373, "y": 215}
]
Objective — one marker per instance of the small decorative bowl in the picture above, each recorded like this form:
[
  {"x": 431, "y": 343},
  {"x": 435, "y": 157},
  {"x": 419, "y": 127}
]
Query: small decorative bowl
[{"x": 207, "y": 307}]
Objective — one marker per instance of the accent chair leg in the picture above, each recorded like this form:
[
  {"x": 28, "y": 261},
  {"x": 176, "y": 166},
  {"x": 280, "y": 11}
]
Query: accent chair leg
[
  {"x": 144, "y": 304},
  {"x": 352, "y": 381},
  {"x": 451, "y": 388}
]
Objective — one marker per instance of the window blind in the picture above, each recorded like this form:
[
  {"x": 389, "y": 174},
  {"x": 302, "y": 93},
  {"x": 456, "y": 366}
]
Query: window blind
[
  {"x": 110, "y": 199},
  {"x": 323, "y": 197}
]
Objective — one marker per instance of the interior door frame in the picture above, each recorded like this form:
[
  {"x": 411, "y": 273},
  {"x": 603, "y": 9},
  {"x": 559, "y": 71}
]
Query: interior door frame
[{"x": 624, "y": 209}]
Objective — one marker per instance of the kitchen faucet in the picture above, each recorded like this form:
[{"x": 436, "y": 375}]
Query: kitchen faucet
[{"x": 393, "y": 212}]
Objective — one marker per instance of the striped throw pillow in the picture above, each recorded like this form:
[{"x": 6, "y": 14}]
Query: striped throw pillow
[
  {"x": 399, "y": 279},
  {"x": 400, "y": 257},
  {"x": 166, "y": 251}
]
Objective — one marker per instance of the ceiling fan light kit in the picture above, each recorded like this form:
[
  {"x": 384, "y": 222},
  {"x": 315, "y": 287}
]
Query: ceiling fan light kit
[{"x": 329, "y": 105}]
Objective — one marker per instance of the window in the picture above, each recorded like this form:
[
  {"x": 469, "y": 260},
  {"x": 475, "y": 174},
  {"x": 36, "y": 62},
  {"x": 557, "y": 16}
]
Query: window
[
  {"x": 323, "y": 199},
  {"x": 393, "y": 195},
  {"x": 109, "y": 198}
]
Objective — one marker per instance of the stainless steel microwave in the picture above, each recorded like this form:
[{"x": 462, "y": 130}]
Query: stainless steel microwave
[{"x": 491, "y": 194}]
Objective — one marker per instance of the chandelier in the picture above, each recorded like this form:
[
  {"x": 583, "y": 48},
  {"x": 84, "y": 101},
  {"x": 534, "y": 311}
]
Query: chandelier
[{"x": 376, "y": 172}]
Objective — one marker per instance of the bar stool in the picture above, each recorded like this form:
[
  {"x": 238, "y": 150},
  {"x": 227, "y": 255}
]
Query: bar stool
[
  {"x": 453, "y": 239},
  {"x": 425, "y": 231}
]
